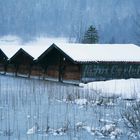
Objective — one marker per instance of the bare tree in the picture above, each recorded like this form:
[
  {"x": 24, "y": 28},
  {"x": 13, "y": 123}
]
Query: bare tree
[
  {"x": 131, "y": 117},
  {"x": 77, "y": 32}
]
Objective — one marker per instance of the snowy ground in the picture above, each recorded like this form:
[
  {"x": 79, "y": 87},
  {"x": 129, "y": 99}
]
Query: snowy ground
[
  {"x": 126, "y": 89},
  {"x": 40, "y": 110}
]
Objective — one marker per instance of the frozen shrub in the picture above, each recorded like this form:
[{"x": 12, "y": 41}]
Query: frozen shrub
[
  {"x": 131, "y": 117},
  {"x": 107, "y": 101},
  {"x": 69, "y": 98}
]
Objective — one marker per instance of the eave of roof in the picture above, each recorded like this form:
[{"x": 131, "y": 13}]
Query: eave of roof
[{"x": 93, "y": 62}]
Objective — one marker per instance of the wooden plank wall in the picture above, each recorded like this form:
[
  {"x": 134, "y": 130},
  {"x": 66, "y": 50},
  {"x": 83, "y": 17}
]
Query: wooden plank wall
[
  {"x": 36, "y": 71},
  {"x": 2, "y": 68},
  {"x": 52, "y": 71},
  {"x": 11, "y": 68},
  {"x": 71, "y": 72}
]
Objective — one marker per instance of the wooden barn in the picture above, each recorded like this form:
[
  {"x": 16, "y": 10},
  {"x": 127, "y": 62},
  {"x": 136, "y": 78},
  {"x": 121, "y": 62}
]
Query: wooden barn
[
  {"x": 72, "y": 62},
  {"x": 91, "y": 62},
  {"x": 21, "y": 63},
  {"x": 35, "y": 52},
  {"x": 57, "y": 64}
]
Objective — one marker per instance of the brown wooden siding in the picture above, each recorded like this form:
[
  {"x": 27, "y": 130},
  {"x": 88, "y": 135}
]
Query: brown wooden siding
[
  {"x": 24, "y": 69},
  {"x": 37, "y": 71},
  {"x": 71, "y": 72},
  {"x": 52, "y": 71},
  {"x": 2, "y": 67},
  {"x": 11, "y": 68}
]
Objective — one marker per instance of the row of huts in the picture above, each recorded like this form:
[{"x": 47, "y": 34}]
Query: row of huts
[{"x": 72, "y": 62}]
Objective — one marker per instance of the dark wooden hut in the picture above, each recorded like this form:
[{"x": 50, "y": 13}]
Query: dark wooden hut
[
  {"x": 3, "y": 62},
  {"x": 21, "y": 63},
  {"x": 57, "y": 64}
]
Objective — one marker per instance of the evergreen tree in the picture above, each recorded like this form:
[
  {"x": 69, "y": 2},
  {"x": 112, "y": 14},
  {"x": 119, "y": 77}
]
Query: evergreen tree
[{"x": 91, "y": 36}]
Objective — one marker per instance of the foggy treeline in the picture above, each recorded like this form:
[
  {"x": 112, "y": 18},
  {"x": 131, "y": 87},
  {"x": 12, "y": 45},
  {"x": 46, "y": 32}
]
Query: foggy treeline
[{"x": 115, "y": 20}]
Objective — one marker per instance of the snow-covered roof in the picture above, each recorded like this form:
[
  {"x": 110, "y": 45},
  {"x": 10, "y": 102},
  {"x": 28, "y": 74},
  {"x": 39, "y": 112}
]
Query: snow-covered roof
[
  {"x": 83, "y": 52},
  {"x": 9, "y": 50},
  {"x": 34, "y": 51},
  {"x": 101, "y": 52}
]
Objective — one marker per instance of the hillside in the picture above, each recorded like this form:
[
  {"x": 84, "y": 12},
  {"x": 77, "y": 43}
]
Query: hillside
[{"x": 114, "y": 19}]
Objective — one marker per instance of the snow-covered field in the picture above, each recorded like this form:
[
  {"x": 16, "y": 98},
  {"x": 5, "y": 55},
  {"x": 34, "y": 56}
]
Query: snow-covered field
[
  {"x": 40, "y": 110},
  {"x": 124, "y": 88}
]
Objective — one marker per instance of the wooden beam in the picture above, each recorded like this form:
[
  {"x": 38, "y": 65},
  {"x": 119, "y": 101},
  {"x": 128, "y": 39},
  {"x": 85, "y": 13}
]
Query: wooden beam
[
  {"x": 5, "y": 68},
  {"x": 60, "y": 78},
  {"x": 16, "y": 71},
  {"x": 30, "y": 69},
  {"x": 80, "y": 70},
  {"x": 45, "y": 71}
]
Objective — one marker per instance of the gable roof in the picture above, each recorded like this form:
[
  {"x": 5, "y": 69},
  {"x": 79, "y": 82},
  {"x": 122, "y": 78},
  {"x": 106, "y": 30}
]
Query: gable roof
[
  {"x": 101, "y": 52},
  {"x": 21, "y": 51},
  {"x": 36, "y": 51},
  {"x": 81, "y": 53},
  {"x": 50, "y": 49}
]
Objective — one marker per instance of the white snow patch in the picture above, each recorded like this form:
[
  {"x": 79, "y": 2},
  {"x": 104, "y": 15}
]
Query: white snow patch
[
  {"x": 81, "y": 101},
  {"x": 107, "y": 129},
  {"x": 33, "y": 130},
  {"x": 111, "y": 130},
  {"x": 105, "y": 121},
  {"x": 127, "y": 89}
]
